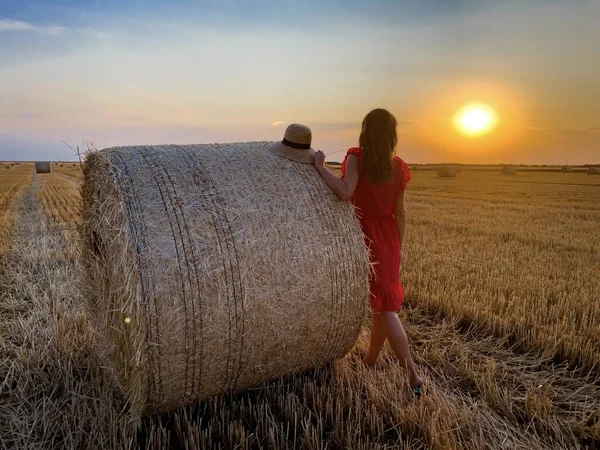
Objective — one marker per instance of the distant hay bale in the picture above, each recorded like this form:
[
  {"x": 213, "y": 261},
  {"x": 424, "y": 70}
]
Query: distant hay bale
[
  {"x": 42, "y": 167},
  {"x": 216, "y": 267},
  {"x": 508, "y": 170},
  {"x": 565, "y": 169},
  {"x": 74, "y": 165},
  {"x": 446, "y": 171},
  {"x": 7, "y": 167},
  {"x": 593, "y": 171}
]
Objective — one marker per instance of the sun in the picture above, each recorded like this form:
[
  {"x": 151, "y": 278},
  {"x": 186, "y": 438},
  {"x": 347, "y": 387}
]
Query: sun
[{"x": 475, "y": 119}]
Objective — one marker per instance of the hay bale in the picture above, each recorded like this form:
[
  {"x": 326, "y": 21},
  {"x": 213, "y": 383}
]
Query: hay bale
[
  {"x": 593, "y": 171},
  {"x": 508, "y": 170},
  {"x": 446, "y": 171},
  {"x": 217, "y": 267},
  {"x": 7, "y": 167},
  {"x": 42, "y": 167},
  {"x": 565, "y": 169}
]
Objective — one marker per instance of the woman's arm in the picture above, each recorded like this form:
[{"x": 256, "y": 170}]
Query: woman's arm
[
  {"x": 345, "y": 187},
  {"x": 401, "y": 217}
]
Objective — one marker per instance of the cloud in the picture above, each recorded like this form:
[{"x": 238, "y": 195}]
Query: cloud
[
  {"x": 531, "y": 129},
  {"x": 343, "y": 126},
  {"x": 420, "y": 120},
  {"x": 575, "y": 131},
  {"x": 354, "y": 126},
  {"x": 94, "y": 32},
  {"x": 8, "y": 25},
  {"x": 277, "y": 123},
  {"x": 22, "y": 116}
]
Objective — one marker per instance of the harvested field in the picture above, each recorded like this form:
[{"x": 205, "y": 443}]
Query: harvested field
[
  {"x": 500, "y": 274},
  {"x": 522, "y": 263},
  {"x": 12, "y": 186}
]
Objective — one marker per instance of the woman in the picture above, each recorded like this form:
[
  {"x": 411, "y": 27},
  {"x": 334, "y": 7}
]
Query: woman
[{"x": 374, "y": 180}]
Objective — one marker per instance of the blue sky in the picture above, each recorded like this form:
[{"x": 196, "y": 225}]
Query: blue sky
[{"x": 184, "y": 72}]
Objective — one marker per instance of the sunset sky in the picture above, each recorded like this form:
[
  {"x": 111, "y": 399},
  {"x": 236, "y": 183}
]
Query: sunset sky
[{"x": 151, "y": 72}]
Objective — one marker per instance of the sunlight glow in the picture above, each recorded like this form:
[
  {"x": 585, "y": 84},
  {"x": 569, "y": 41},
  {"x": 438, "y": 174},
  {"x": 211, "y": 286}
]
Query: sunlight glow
[{"x": 475, "y": 119}]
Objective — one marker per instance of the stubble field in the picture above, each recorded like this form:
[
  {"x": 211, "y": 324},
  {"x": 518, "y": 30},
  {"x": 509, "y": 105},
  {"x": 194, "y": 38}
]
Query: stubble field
[{"x": 503, "y": 313}]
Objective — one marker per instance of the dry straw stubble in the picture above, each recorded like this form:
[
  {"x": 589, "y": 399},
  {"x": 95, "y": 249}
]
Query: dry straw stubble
[{"x": 217, "y": 267}]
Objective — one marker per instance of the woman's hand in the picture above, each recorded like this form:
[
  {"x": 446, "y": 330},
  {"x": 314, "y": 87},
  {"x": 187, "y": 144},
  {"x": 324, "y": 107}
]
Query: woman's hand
[
  {"x": 344, "y": 188},
  {"x": 319, "y": 158}
]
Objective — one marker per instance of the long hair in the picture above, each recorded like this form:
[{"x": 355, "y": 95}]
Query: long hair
[{"x": 378, "y": 140}]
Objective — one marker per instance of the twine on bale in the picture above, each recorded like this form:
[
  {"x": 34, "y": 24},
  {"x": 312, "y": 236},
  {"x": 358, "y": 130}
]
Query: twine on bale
[{"x": 217, "y": 267}]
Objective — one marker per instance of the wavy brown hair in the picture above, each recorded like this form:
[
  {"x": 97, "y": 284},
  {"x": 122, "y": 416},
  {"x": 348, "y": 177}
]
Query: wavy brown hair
[{"x": 378, "y": 140}]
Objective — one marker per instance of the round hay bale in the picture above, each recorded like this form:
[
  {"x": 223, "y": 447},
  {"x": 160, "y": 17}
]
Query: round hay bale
[
  {"x": 593, "y": 171},
  {"x": 7, "y": 167},
  {"x": 508, "y": 170},
  {"x": 565, "y": 169},
  {"x": 42, "y": 167},
  {"x": 217, "y": 267},
  {"x": 446, "y": 171}
]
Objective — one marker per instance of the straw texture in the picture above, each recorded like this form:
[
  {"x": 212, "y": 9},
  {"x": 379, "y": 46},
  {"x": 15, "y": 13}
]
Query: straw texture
[
  {"x": 42, "y": 167},
  {"x": 217, "y": 267}
]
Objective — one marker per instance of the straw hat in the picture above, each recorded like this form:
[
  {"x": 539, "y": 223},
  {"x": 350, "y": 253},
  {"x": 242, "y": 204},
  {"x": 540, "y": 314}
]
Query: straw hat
[{"x": 295, "y": 145}]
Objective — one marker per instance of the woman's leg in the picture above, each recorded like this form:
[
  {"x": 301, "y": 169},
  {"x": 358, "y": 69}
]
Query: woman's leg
[
  {"x": 377, "y": 340},
  {"x": 394, "y": 331}
]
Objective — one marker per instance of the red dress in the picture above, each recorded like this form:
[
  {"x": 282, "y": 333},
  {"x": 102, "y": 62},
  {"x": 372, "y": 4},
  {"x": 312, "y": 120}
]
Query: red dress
[{"x": 375, "y": 208}]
